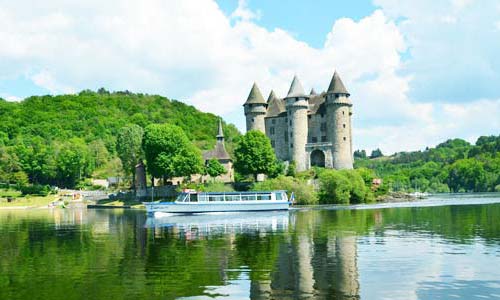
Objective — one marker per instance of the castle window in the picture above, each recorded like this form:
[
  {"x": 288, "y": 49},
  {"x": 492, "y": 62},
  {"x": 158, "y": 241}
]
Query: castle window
[
  {"x": 290, "y": 122},
  {"x": 322, "y": 115},
  {"x": 253, "y": 120},
  {"x": 273, "y": 121},
  {"x": 314, "y": 139},
  {"x": 345, "y": 139},
  {"x": 271, "y": 130},
  {"x": 323, "y": 138},
  {"x": 272, "y": 143},
  {"x": 309, "y": 116},
  {"x": 291, "y": 133},
  {"x": 343, "y": 125},
  {"x": 323, "y": 127},
  {"x": 291, "y": 145},
  {"x": 343, "y": 112}
]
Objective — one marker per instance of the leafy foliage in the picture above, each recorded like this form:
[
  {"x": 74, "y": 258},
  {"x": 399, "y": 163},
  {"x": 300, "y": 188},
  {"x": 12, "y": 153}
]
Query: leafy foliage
[
  {"x": 34, "y": 133},
  {"x": 169, "y": 153},
  {"x": 345, "y": 186},
  {"x": 214, "y": 168},
  {"x": 254, "y": 154},
  {"x": 129, "y": 147},
  {"x": 454, "y": 165},
  {"x": 304, "y": 192}
]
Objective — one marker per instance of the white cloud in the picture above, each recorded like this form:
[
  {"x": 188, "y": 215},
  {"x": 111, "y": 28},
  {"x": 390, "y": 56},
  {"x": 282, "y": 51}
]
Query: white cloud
[
  {"x": 244, "y": 13},
  {"x": 45, "y": 80},
  {"x": 10, "y": 98},
  {"x": 191, "y": 51}
]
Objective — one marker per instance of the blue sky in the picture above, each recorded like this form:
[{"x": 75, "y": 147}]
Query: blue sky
[
  {"x": 419, "y": 72},
  {"x": 309, "y": 22}
]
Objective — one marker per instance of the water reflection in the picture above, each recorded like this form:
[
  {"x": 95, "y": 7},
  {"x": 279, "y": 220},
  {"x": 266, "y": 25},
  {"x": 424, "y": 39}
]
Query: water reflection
[
  {"x": 397, "y": 253},
  {"x": 202, "y": 225}
]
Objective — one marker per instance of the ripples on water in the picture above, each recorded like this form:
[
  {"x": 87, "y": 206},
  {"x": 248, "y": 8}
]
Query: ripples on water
[{"x": 421, "y": 252}]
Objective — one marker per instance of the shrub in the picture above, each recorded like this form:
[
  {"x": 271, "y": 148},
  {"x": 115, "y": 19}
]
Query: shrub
[
  {"x": 358, "y": 189},
  {"x": 304, "y": 192},
  {"x": 347, "y": 186},
  {"x": 36, "y": 189},
  {"x": 334, "y": 187}
]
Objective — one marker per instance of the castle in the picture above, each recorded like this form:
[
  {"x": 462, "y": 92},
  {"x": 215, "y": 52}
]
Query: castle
[{"x": 311, "y": 130}]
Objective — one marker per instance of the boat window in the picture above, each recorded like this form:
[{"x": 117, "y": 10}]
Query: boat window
[
  {"x": 232, "y": 197},
  {"x": 248, "y": 197},
  {"x": 193, "y": 198},
  {"x": 279, "y": 196},
  {"x": 216, "y": 198},
  {"x": 202, "y": 198},
  {"x": 264, "y": 197},
  {"x": 181, "y": 198}
]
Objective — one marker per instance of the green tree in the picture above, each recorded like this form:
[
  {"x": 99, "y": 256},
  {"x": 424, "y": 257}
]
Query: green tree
[
  {"x": 214, "y": 168},
  {"x": 360, "y": 154},
  {"x": 376, "y": 153},
  {"x": 169, "y": 153},
  {"x": 466, "y": 174},
  {"x": 99, "y": 152},
  {"x": 73, "y": 161},
  {"x": 129, "y": 148},
  {"x": 254, "y": 154}
]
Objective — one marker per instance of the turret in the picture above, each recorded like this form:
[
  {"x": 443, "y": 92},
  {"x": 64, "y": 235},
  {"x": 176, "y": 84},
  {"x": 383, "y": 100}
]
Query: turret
[
  {"x": 255, "y": 110},
  {"x": 339, "y": 111},
  {"x": 297, "y": 104}
]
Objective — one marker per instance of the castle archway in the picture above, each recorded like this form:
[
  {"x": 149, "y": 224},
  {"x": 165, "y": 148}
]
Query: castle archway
[{"x": 317, "y": 158}]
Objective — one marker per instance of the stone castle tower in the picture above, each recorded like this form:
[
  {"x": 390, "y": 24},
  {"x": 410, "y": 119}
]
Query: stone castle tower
[{"x": 309, "y": 129}]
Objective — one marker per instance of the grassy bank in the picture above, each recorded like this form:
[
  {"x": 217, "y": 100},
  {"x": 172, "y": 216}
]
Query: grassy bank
[{"x": 27, "y": 201}]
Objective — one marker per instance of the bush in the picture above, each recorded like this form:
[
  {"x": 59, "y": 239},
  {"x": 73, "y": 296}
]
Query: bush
[
  {"x": 334, "y": 187},
  {"x": 36, "y": 189},
  {"x": 358, "y": 189},
  {"x": 497, "y": 188},
  {"x": 304, "y": 192},
  {"x": 347, "y": 186}
]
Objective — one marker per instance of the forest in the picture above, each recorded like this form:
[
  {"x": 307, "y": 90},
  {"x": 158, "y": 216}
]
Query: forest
[
  {"x": 61, "y": 140},
  {"x": 452, "y": 166}
]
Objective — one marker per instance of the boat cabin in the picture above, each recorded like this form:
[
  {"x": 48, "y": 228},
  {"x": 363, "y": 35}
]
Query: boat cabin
[{"x": 192, "y": 196}]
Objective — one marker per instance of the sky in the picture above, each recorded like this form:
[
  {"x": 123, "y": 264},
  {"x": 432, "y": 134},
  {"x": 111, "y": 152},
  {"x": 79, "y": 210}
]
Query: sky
[{"x": 419, "y": 72}]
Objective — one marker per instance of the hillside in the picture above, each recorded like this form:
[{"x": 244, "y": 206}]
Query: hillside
[
  {"x": 35, "y": 132},
  {"x": 455, "y": 165}
]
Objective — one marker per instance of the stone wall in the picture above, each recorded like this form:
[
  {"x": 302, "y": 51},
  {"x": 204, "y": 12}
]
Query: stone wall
[{"x": 277, "y": 131}]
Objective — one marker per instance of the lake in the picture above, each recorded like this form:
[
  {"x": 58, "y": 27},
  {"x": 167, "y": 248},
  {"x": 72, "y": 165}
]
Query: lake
[{"x": 441, "y": 248}]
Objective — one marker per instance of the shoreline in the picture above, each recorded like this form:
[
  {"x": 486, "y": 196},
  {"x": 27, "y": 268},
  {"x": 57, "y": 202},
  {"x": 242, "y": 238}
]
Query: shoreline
[{"x": 390, "y": 200}]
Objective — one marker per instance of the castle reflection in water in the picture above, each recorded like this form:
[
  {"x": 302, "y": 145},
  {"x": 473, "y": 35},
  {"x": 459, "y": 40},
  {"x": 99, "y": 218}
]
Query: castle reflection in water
[{"x": 307, "y": 263}]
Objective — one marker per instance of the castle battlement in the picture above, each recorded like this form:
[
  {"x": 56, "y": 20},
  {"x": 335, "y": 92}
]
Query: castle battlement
[{"x": 310, "y": 129}]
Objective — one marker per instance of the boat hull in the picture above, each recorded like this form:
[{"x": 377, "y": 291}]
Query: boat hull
[{"x": 204, "y": 207}]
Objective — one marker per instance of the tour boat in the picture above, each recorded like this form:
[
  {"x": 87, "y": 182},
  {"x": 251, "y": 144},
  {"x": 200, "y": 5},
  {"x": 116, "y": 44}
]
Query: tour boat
[{"x": 190, "y": 201}]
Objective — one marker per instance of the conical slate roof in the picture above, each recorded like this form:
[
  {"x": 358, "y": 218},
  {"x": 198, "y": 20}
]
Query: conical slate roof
[
  {"x": 220, "y": 132},
  {"x": 255, "y": 96},
  {"x": 272, "y": 96},
  {"x": 296, "y": 89},
  {"x": 313, "y": 92},
  {"x": 275, "y": 107},
  {"x": 337, "y": 86}
]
